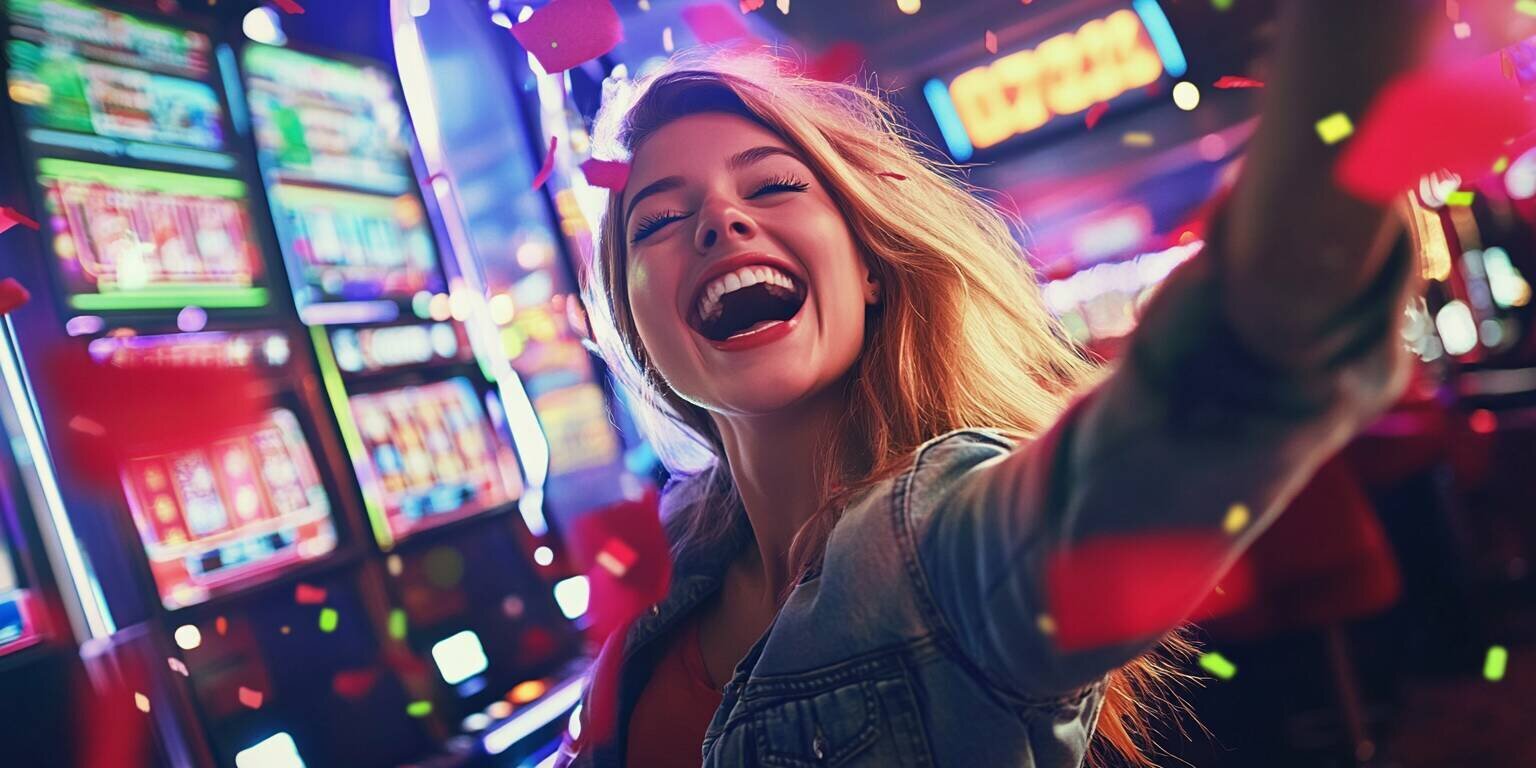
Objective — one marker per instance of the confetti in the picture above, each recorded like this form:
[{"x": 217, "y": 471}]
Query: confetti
[
  {"x": 990, "y": 41},
  {"x": 1233, "y": 81},
  {"x": 250, "y": 698},
  {"x": 1476, "y": 110},
  {"x": 666, "y": 39},
  {"x": 221, "y": 625},
  {"x": 549, "y": 164},
  {"x": 892, "y": 175},
  {"x": 1501, "y": 165},
  {"x": 1237, "y": 518},
  {"x": 616, "y": 557},
  {"x": 713, "y": 25},
  {"x": 1095, "y": 112},
  {"x": 419, "y": 708},
  {"x": 177, "y": 665},
  {"x": 1137, "y": 139},
  {"x": 1527, "y": 7},
  {"x": 305, "y": 594},
  {"x": 608, "y": 174},
  {"x": 328, "y": 620},
  {"x": 566, "y": 33},
  {"x": 783, "y": 6},
  {"x": 141, "y": 701},
  {"x": 1495, "y": 663},
  {"x": 397, "y": 624},
  {"x": 1217, "y": 665},
  {"x": 748, "y": 6},
  {"x": 1335, "y": 128},
  {"x": 1461, "y": 198},
  {"x": 10, "y": 217},
  {"x": 288, "y": 6}
]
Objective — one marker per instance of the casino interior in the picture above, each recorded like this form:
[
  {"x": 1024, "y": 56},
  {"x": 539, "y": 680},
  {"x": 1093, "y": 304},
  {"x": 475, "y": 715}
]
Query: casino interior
[{"x": 309, "y": 452}]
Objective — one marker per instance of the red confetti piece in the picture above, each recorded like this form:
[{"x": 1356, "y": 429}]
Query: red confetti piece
[
  {"x": 10, "y": 217},
  {"x": 748, "y": 6},
  {"x": 250, "y": 698},
  {"x": 566, "y": 33},
  {"x": 990, "y": 41},
  {"x": 608, "y": 174},
  {"x": 616, "y": 557},
  {"x": 288, "y": 6},
  {"x": 892, "y": 175},
  {"x": 837, "y": 63},
  {"x": 115, "y": 410},
  {"x": 305, "y": 594},
  {"x": 1094, "y": 113},
  {"x": 354, "y": 683},
  {"x": 1475, "y": 112},
  {"x": 1233, "y": 81},
  {"x": 12, "y": 295},
  {"x": 549, "y": 164}
]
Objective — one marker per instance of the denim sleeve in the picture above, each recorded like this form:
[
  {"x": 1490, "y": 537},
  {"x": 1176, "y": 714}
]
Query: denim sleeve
[{"x": 1190, "y": 423}]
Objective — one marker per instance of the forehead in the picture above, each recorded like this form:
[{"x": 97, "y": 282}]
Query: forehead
[{"x": 696, "y": 142}]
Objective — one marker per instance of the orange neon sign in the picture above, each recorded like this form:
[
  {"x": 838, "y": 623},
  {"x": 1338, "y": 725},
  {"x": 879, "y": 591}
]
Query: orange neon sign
[{"x": 1062, "y": 76}]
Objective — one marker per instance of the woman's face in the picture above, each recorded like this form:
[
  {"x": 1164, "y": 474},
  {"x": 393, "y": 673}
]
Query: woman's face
[{"x": 744, "y": 278}]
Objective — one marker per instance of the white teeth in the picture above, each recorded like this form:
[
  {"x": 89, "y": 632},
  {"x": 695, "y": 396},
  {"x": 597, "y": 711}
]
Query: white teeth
[{"x": 709, "y": 300}]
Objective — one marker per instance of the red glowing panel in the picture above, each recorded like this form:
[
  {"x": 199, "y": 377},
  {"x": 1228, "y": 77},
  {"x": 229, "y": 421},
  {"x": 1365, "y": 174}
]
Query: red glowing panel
[
  {"x": 430, "y": 456},
  {"x": 232, "y": 511}
]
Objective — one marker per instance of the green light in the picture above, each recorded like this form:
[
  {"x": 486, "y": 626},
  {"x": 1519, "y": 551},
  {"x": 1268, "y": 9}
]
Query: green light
[
  {"x": 170, "y": 299},
  {"x": 419, "y": 708},
  {"x": 1221, "y": 5},
  {"x": 1218, "y": 665},
  {"x": 336, "y": 392},
  {"x": 397, "y": 624},
  {"x": 1494, "y": 664},
  {"x": 328, "y": 620},
  {"x": 180, "y": 184}
]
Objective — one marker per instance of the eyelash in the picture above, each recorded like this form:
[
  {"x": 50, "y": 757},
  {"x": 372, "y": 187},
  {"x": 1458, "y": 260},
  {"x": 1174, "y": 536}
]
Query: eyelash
[{"x": 651, "y": 224}]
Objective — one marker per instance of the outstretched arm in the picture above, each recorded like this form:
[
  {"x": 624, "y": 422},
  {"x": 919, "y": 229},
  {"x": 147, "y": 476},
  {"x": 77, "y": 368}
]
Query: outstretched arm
[{"x": 1257, "y": 360}]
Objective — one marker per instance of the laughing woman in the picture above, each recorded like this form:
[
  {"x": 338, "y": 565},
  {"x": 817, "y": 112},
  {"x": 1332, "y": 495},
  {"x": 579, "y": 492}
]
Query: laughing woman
[{"x": 864, "y": 402}]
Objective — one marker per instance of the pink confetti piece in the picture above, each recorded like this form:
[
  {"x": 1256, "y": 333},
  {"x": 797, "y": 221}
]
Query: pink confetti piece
[
  {"x": 549, "y": 164},
  {"x": 288, "y": 6},
  {"x": 1095, "y": 112},
  {"x": 892, "y": 175},
  {"x": 177, "y": 665},
  {"x": 566, "y": 33},
  {"x": 10, "y": 217},
  {"x": 990, "y": 40},
  {"x": 12, "y": 295},
  {"x": 608, "y": 174},
  {"x": 1476, "y": 111},
  {"x": 1233, "y": 81},
  {"x": 250, "y": 698},
  {"x": 748, "y": 6},
  {"x": 715, "y": 24},
  {"x": 616, "y": 557},
  {"x": 306, "y": 594}
]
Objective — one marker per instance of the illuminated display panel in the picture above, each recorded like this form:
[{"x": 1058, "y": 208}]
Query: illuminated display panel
[
  {"x": 240, "y": 508},
  {"x": 430, "y": 455},
  {"x": 334, "y": 150},
  {"x": 143, "y": 206},
  {"x": 1066, "y": 74},
  {"x": 16, "y": 630}
]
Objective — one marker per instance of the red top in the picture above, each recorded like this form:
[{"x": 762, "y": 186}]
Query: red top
[{"x": 666, "y": 728}]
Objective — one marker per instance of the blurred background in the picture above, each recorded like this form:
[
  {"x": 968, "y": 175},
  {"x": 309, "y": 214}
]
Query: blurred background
[{"x": 348, "y": 213}]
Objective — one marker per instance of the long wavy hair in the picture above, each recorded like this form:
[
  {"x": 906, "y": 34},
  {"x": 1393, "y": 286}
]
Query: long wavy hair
[{"x": 961, "y": 338}]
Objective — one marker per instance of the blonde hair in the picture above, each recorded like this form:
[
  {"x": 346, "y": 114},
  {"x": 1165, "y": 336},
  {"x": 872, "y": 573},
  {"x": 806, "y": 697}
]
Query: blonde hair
[{"x": 961, "y": 339}]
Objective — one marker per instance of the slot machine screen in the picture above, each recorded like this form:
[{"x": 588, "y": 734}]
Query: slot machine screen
[
  {"x": 334, "y": 149},
  {"x": 430, "y": 455},
  {"x": 240, "y": 508},
  {"x": 15, "y": 629},
  {"x": 142, "y": 201}
]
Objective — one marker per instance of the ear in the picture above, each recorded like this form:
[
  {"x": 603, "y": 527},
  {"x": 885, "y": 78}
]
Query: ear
[{"x": 871, "y": 283}]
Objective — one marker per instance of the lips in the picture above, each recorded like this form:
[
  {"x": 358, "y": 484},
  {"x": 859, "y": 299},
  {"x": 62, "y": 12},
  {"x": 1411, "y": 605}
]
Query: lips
[{"x": 731, "y": 264}]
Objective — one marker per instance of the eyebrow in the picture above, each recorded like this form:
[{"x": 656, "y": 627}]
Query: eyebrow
[{"x": 737, "y": 161}]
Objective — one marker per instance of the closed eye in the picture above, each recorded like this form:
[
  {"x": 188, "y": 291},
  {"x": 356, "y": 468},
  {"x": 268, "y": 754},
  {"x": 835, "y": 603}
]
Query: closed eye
[
  {"x": 651, "y": 224},
  {"x": 779, "y": 184}
]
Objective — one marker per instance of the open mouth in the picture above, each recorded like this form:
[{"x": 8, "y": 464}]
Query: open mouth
[{"x": 745, "y": 301}]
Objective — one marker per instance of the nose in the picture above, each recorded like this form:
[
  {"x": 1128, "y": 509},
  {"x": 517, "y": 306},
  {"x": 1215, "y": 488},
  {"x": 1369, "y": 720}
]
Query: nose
[{"x": 722, "y": 220}]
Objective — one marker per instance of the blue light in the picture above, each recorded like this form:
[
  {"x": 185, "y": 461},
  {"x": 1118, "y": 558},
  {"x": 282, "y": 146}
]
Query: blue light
[
  {"x": 1161, "y": 32},
  {"x": 950, "y": 126}
]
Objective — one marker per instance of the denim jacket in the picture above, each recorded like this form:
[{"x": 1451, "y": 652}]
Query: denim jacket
[{"x": 919, "y": 642}]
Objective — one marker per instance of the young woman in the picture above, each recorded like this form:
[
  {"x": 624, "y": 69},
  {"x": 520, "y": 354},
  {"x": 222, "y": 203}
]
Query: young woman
[{"x": 864, "y": 402}]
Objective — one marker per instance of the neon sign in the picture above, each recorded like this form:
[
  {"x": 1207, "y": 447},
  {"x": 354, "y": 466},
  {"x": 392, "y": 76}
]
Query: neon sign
[{"x": 1063, "y": 75}]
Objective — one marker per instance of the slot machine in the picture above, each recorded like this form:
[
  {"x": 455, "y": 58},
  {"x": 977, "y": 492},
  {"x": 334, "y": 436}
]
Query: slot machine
[
  {"x": 233, "y": 577},
  {"x": 445, "y": 447}
]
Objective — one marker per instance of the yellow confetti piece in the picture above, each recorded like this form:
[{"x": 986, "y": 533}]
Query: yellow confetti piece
[
  {"x": 1495, "y": 663},
  {"x": 328, "y": 619},
  {"x": 1137, "y": 139},
  {"x": 397, "y": 624},
  {"x": 1046, "y": 624},
  {"x": 1461, "y": 198},
  {"x": 1335, "y": 128},
  {"x": 1527, "y": 7},
  {"x": 141, "y": 701},
  {"x": 1501, "y": 165},
  {"x": 1218, "y": 665},
  {"x": 419, "y": 708},
  {"x": 1237, "y": 518}
]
